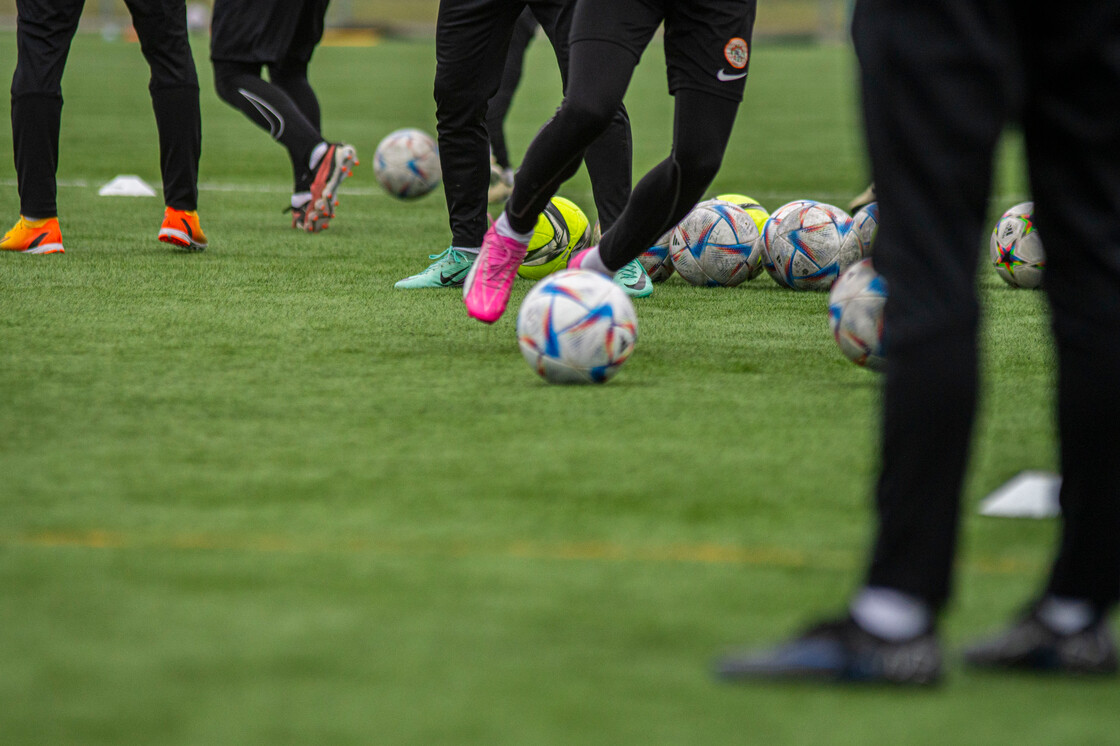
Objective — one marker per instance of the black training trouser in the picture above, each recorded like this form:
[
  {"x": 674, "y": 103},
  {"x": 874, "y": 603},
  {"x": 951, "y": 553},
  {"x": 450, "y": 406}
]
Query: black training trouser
[
  {"x": 940, "y": 80},
  {"x": 472, "y": 40},
  {"x": 498, "y": 107},
  {"x": 44, "y": 32}
]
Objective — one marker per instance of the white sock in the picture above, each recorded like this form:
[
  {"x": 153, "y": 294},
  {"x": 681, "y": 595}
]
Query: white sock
[
  {"x": 593, "y": 261},
  {"x": 890, "y": 614},
  {"x": 502, "y": 226},
  {"x": 465, "y": 250},
  {"x": 299, "y": 199},
  {"x": 1066, "y": 616},
  {"x": 317, "y": 154}
]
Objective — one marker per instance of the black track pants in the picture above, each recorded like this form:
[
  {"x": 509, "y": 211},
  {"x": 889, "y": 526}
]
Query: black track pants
[{"x": 43, "y": 38}]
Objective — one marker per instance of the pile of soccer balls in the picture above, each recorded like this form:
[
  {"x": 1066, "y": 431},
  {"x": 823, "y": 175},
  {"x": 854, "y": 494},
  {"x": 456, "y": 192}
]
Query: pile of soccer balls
[{"x": 576, "y": 326}]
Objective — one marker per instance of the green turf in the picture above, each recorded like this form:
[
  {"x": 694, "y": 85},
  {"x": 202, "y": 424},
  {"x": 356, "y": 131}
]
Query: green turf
[{"x": 257, "y": 496}]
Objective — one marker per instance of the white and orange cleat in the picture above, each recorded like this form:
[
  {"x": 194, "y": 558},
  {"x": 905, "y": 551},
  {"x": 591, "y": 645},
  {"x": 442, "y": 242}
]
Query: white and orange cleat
[
  {"x": 34, "y": 237},
  {"x": 335, "y": 165},
  {"x": 181, "y": 228},
  {"x": 488, "y": 285}
]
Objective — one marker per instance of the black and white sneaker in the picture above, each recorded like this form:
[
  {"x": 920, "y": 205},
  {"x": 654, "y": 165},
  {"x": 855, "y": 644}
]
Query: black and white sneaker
[
  {"x": 839, "y": 652},
  {"x": 1031, "y": 645}
]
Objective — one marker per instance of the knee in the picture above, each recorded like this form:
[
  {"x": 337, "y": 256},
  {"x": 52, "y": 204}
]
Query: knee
[
  {"x": 698, "y": 166},
  {"x": 458, "y": 104},
  {"x": 226, "y": 77},
  {"x": 287, "y": 72},
  {"x": 588, "y": 115}
]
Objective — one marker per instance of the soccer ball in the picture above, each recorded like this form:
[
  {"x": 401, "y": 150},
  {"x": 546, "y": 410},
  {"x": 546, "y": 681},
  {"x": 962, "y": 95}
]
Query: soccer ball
[
  {"x": 758, "y": 214},
  {"x": 656, "y": 260},
  {"x": 561, "y": 229},
  {"x": 865, "y": 226},
  {"x": 769, "y": 230},
  {"x": 1016, "y": 249},
  {"x": 407, "y": 163},
  {"x": 576, "y": 326},
  {"x": 716, "y": 244},
  {"x": 811, "y": 245},
  {"x": 855, "y": 314}
]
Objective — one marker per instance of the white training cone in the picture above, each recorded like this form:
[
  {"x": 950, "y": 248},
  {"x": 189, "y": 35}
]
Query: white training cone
[
  {"x": 1029, "y": 494},
  {"x": 127, "y": 186}
]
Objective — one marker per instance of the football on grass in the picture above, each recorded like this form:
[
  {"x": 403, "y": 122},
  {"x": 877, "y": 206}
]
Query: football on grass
[
  {"x": 855, "y": 314},
  {"x": 716, "y": 244},
  {"x": 1016, "y": 249},
  {"x": 809, "y": 246},
  {"x": 576, "y": 326},
  {"x": 561, "y": 230},
  {"x": 406, "y": 163}
]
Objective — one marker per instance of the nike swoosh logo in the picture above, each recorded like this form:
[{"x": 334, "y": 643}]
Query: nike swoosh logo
[
  {"x": 727, "y": 78},
  {"x": 452, "y": 278}
]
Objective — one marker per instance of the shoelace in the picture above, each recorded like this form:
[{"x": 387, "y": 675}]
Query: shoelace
[
  {"x": 496, "y": 272},
  {"x": 452, "y": 254},
  {"x": 630, "y": 273}
]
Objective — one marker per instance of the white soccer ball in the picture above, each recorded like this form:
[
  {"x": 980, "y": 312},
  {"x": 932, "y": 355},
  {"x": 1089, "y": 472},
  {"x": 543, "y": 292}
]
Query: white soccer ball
[
  {"x": 1016, "y": 249},
  {"x": 809, "y": 246},
  {"x": 407, "y": 163},
  {"x": 865, "y": 226},
  {"x": 656, "y": 259},
  {"x": 769, "y": 229},
  {"x": 576, "y": 326},
  {"x": 716, "y": 244},
  {"x": 855, "y": 314}
]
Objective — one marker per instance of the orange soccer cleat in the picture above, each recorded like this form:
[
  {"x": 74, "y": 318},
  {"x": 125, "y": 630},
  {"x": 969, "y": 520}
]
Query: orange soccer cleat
[
  {"x": 181, "y": 228},
  {"x": 34, "y": 237}
]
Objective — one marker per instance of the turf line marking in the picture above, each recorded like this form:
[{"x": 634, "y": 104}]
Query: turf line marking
[
  {"x": 586, "y": 551},
  {"x": 360, "y": 191}
]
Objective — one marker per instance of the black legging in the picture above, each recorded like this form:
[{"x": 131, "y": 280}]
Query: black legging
[
  {"x": 600, "y": 73},
  {"x": 285, "y": 106}
]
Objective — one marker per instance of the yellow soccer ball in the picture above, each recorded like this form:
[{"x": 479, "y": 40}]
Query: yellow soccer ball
[{"x": 561, "y": 229}]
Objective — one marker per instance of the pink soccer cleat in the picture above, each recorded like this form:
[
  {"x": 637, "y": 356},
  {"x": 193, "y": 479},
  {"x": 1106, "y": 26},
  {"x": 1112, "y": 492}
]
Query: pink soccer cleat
[{"x": 490, "y": 281}]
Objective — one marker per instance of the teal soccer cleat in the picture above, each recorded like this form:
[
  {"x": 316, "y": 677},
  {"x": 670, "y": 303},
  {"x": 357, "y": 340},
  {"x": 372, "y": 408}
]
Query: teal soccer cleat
[
  {"x": 449, "y": 270},
  {"x": 633, "y": 279}
]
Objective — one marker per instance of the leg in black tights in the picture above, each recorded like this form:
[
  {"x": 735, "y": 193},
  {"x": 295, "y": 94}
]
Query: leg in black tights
[
  {"x": 673, "y": 187},
  {"x": 271, "y": 108},
  {"x": 600, "y": 73}
]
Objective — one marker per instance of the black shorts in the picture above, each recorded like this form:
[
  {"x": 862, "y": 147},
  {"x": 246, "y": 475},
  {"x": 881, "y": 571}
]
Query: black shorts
[
  {"x": 266, "y": 32},
  {"x": 707, "y": 42}
]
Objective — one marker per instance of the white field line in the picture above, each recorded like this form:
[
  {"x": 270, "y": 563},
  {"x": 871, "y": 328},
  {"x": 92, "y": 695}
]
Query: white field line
[{"x": 841, "y": 199}]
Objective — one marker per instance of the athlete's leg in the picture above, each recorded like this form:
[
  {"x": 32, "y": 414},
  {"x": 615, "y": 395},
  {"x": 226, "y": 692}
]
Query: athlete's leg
[
  {"x": 240, "y": 85},
  {"x": 161, "y": 26},
  {"x": 609, "y": 157},
  {"x": 1073, "y": 147},
  {"x": 472, "y": 38},
  {"x": 290, "y": 72},
  {"x": 43, "y": 37},
  {"x": 931, "y": 138},
  {"x": 498, "y": 106},
  {"x": 673, "y": 187},
  {"x": 599, "y": 73}
]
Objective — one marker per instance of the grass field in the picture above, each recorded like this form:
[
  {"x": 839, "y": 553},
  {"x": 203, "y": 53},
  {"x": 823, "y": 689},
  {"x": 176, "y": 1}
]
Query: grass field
[{"x": 257, "y": 496}]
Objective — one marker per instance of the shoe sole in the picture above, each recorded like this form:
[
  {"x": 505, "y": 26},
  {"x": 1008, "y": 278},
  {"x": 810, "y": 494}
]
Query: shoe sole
[
  {"x": 46, "y": 248},
  {"x": 180, "y": 239}
]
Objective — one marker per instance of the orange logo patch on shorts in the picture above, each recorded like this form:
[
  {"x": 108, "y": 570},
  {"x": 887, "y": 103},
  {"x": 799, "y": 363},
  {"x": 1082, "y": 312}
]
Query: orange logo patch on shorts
[{"x": 737, "y": 53}]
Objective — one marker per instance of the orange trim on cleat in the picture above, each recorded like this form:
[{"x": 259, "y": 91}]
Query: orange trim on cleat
[
  {"x": 34, "y": 237},
  {"x": 181, "y": 228},
  {"x": 335, "y": 165}
]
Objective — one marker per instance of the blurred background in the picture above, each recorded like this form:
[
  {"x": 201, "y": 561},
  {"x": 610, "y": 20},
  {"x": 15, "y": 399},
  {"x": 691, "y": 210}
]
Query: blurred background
[{"x": 823, "y": 20}]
